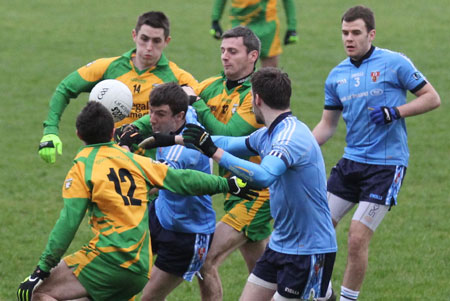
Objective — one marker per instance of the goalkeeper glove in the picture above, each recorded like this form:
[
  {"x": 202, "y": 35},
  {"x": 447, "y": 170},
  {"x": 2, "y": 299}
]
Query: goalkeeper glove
[
  {"x": 128, "y": 134},
  {"x": 26, "y": 288},
  {"x": 384, "y": 115},
  {"x": 290, "y": 37},
  {"x": 200, "y": 139},
  {"x": 216, "y": 30},
  {"x": 241, "y": 189},
  {"x": 49, "y": 145},
  {"x": 158, "y": 140}
]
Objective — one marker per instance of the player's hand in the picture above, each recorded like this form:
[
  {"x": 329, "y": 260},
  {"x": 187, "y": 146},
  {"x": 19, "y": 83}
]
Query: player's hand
[
  {"x": 290, "y": 37},
  {"x": 241, "y": 189},
  {"x": 200, "y": 139},
  {"x": 157, "y": 140},
  {"x": 216, "y": 30},
  {"x": 128, "y": 135},
  {"x": 30, "y": 283},
  {"x": 384, "y": 115},
  {"x": 48, "y": 147}
]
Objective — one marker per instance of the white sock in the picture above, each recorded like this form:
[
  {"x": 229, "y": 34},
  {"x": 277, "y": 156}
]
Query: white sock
[{"x": 348, "y": 294}]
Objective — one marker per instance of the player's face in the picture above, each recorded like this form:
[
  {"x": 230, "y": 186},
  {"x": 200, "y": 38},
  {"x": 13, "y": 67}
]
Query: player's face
[
  {"x": 150, "y": 43},
  {"x": 237, "y": 63},
  {"x": 357, "y": 41},
  {"x": 163, "y": 120}
]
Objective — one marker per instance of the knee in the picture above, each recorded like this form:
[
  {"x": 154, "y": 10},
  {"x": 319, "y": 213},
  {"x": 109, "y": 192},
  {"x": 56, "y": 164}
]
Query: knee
[{"x": 357, "y": 245}]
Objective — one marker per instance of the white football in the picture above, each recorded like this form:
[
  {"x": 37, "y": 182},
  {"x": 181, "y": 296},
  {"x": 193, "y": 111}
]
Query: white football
[{"x": 115, "y": 96}]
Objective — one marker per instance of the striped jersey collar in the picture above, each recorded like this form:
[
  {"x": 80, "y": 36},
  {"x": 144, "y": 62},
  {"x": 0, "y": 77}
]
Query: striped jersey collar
[
  {"x": 278, "y": 120},
  {"x": 366, "y": 56}
]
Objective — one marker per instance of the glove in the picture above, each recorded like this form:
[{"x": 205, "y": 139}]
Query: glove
[
  {"x": 129, "y": 135},
  {"x": 27, "y": 286},
  {"x": 240, "y": 189},
  {"x": 384, "y": 115},
  {"x": 158, "y": 140},
  {"x": 199, "y": 139},
  {"x": 216, "y": 30},
  {"x": 49, "y": 145},
  {"x": 290, "y": 37}
]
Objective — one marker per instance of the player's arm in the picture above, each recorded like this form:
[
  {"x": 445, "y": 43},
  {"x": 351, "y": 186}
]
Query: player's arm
[
  {"x": 427, "y": 99},
  {"x": 242, "y": 122},
  {"x": 217, "y": 11},
  {"x": 327, "y": 126},
  {"x": 291, "y": 19},
  {"x": 63, "y": 232}
]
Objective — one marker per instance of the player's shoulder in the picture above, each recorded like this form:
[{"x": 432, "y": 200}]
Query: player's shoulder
[
  {"x": 213, "y": 82},
  {"x": 391, "y": 55}
]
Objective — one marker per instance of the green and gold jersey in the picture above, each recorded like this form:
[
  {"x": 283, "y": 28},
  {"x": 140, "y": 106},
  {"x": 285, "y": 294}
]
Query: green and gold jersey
[
  {"x": 112, "y": 185},
  {"x": 223, "y": 111},
  {"x": 227, "y": 112},
  {"x": 248, "y": 12},
  {"x": 140, "y": 82}
]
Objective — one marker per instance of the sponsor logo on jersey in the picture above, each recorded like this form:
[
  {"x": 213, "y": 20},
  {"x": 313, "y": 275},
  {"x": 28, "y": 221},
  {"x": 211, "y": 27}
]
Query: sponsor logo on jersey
[
  {"x": 376, "y": 92},
  {"x": 138, "y": 80},
  {"x": 375, "y": 75},
  {"x": 353, "y": 96},
  {"x": 359, "y": 74},
  {"x": 341, "y": 81}
]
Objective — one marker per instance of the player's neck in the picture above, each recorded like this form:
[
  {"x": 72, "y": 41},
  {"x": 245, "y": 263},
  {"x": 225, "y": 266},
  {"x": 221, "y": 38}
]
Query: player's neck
[{"x": 271, "y": 115}]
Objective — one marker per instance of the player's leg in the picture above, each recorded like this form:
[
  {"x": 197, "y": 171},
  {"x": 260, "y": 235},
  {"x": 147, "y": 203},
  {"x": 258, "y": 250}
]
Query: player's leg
[
  {"x": 60, "y": 285},
  {"x": 270, "y": 61},
  {"x": 160, "y": 285},
  {"x": 251, "y": 251},
  {"x": 379, "y": 188},
  {"x": 226, "y": 240},
  {"x": 269, "y": 35},
  {"x": 253, "y": 291},
  {"x": 179, "y": 257}
]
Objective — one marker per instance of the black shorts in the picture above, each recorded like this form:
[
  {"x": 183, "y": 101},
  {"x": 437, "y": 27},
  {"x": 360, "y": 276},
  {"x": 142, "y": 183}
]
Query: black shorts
[
  {"x": 296, "y": 276},
  {"x": 359, "y": 182},
  {"x": 178, "y": 253}
]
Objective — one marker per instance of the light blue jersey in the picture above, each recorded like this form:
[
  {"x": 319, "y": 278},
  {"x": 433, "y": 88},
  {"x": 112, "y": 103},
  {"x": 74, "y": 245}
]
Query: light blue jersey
[
  {"x": 188, "y": 214},
  {"x": 382, "y": 79},
  {"x": 293, "y": 166}
]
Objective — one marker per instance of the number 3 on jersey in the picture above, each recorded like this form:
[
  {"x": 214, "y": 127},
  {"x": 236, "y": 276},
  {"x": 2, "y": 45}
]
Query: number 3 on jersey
[{"x": 124, "y": 175}]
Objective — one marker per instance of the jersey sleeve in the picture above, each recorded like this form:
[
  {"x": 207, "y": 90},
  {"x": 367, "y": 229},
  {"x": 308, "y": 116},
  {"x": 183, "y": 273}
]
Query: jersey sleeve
[
  {"x": 332, "y": 101},
  {"x": 81, "y": 80},
  {"x": 182, "y": 181},
  {"x": 217, "y": 9},
  {"x": 76, "y": 198},
  {"x": 289, "y": 9},
  {"x": 242, "y": 122},
  {"x": 410, "y": 78}
]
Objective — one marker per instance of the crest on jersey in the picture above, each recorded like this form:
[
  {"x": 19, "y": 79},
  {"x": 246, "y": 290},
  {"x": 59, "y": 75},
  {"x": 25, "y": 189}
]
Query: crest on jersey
[
  {"x": 68, "y": 183},
  {"x": 375, "y": 75}
]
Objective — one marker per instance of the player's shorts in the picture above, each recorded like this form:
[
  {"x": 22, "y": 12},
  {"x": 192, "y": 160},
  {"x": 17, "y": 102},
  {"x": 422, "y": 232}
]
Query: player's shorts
[
  {"x": 269, "y": 35},
  {"x": 180, "y": 254},
  {"x": 294, "y": 276},
  {"x": 355, "y": 182},
  {"x": 251, "y": 217},
  {"x": 103, "y": 280}
]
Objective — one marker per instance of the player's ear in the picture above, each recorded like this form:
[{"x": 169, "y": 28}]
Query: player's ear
[
  {"x": 134, "y": 34},
  {"x": 168, "y": 39},
  {"x": 79, "y": 136}
]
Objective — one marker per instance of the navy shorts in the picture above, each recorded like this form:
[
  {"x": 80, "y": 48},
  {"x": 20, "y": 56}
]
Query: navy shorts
[
  {"x": 178, "y": 253},
  {"x": 359, "y": 182},
  {"x": 296, "y": 276}
]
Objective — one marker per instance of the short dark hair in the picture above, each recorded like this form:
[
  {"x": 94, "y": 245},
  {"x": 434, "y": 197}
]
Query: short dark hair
[
  {"x": 360, "y": 12},
  {"x": 273, "y": 86},
  {"x": 155, "y": 19},
  {"x": 170, "y": 94},
  {"x": 95, "y": 123},
  {"x": 250, "y": 40}
]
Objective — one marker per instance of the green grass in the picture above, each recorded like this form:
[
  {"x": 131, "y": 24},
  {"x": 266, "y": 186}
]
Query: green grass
[{"x": 43, "y": 41}]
